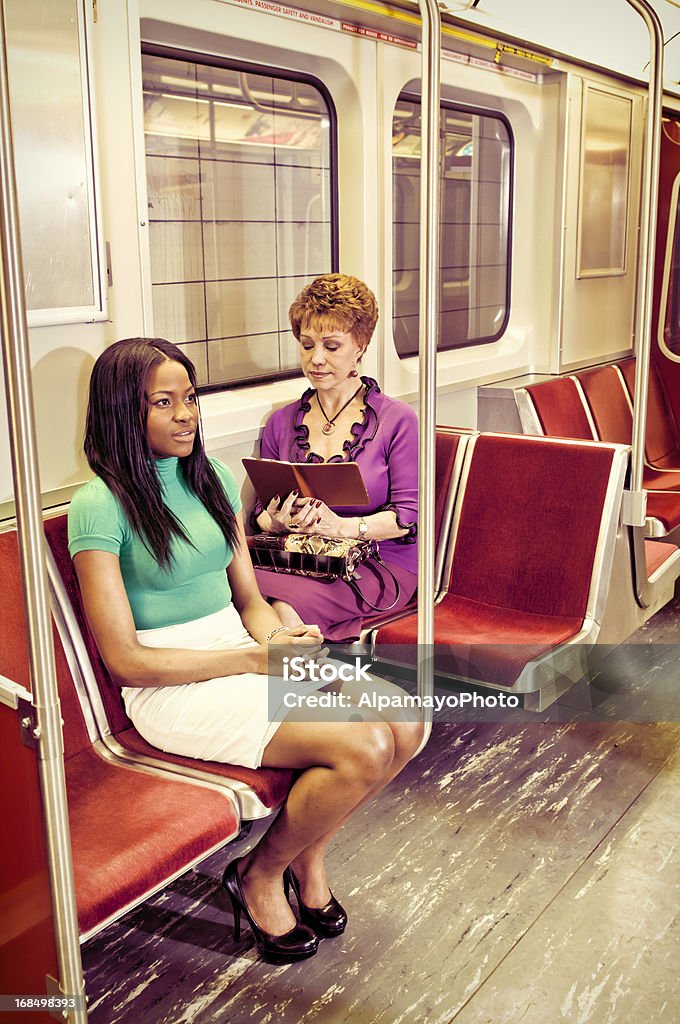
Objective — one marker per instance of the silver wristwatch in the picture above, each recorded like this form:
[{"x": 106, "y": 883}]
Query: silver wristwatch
[{"x": 363, "y": 528}]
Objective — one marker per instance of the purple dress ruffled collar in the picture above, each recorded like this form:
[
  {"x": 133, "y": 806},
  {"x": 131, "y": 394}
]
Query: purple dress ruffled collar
[{"x": 362, "y": 431}]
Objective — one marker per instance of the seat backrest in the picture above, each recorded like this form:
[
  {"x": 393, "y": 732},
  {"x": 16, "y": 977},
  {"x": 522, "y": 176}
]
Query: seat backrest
[
  {"x": 14, "y": 659},
  {"x": 449, "y": 442},
  {"x": 627, "y": 368},
  {"x": 446, "y": 446},
  {"x": 56, "y": 531},
  {"x": 608, "y": 401},
  {"x": 449, "y": 450},
  {"x": 527, "y": 523},
  {"x": 560, "y": 409},
  {"x": 659, "y": 434}
]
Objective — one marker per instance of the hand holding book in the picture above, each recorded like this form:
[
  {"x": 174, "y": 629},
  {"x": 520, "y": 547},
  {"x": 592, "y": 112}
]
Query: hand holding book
[{"x": 292, "y": 514}]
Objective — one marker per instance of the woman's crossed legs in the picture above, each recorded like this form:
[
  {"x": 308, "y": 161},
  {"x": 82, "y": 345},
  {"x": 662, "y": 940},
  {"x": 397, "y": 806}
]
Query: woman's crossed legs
[{"x": 349, "y": 754}]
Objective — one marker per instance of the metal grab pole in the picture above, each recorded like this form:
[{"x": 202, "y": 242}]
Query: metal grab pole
[
  {"x": 428, "y": 333},
  {"x": 47, "y": 728},
  {"x": 634, "y": 508}
]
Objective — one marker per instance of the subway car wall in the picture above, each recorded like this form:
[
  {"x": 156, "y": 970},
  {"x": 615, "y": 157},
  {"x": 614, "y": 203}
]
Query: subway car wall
[
  {"x": 183, "y": 170},
  {"x": 136, "y": 222}
]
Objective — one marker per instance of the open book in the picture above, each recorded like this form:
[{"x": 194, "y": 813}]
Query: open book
[{"x": 335, "y": 483}]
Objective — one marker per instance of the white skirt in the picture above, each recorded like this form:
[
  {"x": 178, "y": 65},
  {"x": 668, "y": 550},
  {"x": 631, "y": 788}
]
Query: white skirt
[{"x": 230, "y": 718}]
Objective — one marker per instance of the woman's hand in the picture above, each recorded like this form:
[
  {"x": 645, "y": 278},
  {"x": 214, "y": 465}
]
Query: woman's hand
[
  {"x": 318, "y": 518},
  {"x": 280, "y": 513},
  {"x": 304, "y": 634},
  {"x": 306, "y": 515},
  {"x": 273, "y": 658}
]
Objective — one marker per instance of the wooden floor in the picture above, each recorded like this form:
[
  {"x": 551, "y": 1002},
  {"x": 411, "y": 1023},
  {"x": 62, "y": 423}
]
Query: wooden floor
[{"x": 521, "y": 871}]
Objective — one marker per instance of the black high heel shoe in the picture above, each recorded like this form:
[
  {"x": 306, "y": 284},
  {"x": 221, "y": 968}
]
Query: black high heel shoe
[
  {"x": 327, "y": 921},
  {"x": 297, "y": 944}
]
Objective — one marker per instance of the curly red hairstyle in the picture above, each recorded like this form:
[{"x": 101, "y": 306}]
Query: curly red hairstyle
[{"x": 336, "y": 302}]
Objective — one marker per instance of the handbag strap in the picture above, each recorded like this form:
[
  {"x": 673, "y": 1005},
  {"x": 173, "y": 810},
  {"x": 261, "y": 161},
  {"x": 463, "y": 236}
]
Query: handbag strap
[{"x": 376, "y": 607}]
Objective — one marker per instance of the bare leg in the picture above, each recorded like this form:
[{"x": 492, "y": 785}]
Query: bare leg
[
  {"x": 406, "y": 726},
  {"x": 358, "y": 760},
  {"x": 286, "y": 612},
  {"x": 343, "y": 759}
]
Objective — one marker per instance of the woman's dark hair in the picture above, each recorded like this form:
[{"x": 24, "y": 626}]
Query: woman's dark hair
[{"x": 118, "y": 451}]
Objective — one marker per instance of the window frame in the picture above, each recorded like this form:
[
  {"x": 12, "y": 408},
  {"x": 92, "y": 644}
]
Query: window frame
[
  {"x": 84, "y": 312},
  {"x": 465, "y": 108},
  {"x": 303, "y": 78}
]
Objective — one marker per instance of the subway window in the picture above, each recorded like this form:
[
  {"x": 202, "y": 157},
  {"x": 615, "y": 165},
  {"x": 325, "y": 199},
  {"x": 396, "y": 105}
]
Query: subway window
[
  {"x": 241, "y": 200},
  {"x": 474, "y": 251}
]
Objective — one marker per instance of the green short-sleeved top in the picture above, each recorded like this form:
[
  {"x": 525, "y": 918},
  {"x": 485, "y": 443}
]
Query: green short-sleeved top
[{"x": 196, "y": 583}]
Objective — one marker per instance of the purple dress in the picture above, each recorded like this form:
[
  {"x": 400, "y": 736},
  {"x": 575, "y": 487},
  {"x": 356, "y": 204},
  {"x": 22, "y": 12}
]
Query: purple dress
[{"x": 384, "y": 444}]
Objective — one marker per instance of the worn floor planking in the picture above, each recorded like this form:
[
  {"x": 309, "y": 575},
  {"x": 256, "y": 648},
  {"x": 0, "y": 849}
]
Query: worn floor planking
[
  {"x": 608, "y": 948},
  {"x": 499, "y": 879}
]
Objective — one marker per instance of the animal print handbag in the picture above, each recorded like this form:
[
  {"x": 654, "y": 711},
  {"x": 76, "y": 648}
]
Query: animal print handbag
[{"x": 322, "y": 558}]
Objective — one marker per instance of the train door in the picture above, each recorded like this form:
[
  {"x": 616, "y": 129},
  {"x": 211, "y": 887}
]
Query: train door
[{"x": 666, "y": 308}]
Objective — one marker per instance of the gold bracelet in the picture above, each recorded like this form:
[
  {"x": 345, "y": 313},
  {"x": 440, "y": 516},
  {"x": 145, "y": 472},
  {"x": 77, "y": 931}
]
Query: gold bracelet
[{"x": 273, "y": 633}]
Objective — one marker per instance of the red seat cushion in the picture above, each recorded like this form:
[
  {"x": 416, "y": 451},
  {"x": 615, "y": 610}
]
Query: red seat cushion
[
  {"x": 270, "y": 785},
  {"x": 482, "y": 641},
  {"x": 656, "y": 553},
  {"x": 665, "y": 507},
  {"x": 670, "y": 461},
  {"x": 560, "y": 409},
  {"x": 131, "y": 831},
  {"x": 660, "y": 480}
]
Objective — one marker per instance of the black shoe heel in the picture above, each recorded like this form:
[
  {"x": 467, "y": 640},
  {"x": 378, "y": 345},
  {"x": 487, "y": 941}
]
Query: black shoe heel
[
  {"x": 328, "y": 921},
  {"x": 236, "y": 911},
  {"x": 297, "y": 944}
]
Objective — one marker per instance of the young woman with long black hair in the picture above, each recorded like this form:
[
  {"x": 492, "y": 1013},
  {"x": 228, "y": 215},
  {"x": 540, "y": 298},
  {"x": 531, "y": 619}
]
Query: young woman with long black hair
[{"x": 151, "y": 537}]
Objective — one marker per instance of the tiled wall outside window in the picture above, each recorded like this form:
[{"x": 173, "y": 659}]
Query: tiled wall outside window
[
  {"x": 475, "y": 182},
  {"x": 239, "y": 189}
]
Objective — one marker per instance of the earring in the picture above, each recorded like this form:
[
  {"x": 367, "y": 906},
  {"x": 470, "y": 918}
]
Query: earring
[{"x": 353, "y": 372}]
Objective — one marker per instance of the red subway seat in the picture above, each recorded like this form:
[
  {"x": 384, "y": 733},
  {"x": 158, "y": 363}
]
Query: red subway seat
[
  {"x": 130, "y": 831},
  {"x": 661, "y": 447},
  {"x": 608, "y": 403},
  {"x": 522, "y": 561},
  {"x": 560, "y": 409},
  {"x": 269, "y": 786}
]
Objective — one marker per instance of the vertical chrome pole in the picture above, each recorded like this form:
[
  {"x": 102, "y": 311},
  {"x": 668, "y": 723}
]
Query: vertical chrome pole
[
  {"x": 47, "y": 730},
  {"x": 634, "y": 508},
  {"x": 428, "y": 334}
]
